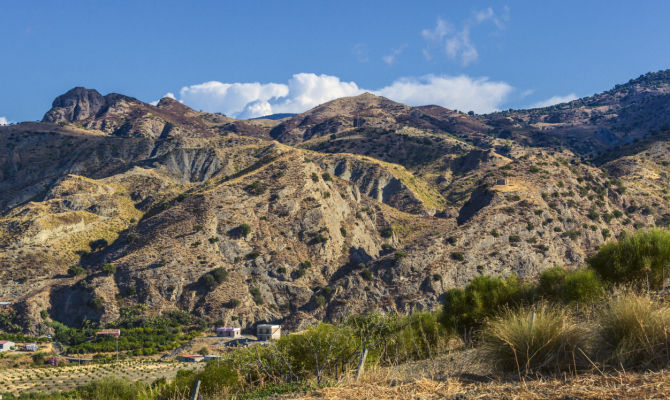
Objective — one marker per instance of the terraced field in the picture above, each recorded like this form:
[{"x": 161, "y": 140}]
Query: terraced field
[{"x": 64, "y": 378}]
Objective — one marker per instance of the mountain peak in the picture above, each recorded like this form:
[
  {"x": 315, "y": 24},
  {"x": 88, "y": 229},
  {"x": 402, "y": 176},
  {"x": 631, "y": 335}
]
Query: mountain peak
[{"x": 76, "y": 104}]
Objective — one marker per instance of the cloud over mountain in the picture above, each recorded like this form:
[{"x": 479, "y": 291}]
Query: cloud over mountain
[
  {"x": 554, "y": 100},
  {"x": 307, "y": 90}
]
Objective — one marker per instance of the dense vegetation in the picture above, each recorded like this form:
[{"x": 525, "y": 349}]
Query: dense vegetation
[{"x": 140, "y": 335}]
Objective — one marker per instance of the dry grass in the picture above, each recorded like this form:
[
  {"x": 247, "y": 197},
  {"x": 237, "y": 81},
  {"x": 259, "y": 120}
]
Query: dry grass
[
  {"x": 530, "y": 340},
  {"x": 387, "y": 384},
  {"x": 635, "y": 331}
]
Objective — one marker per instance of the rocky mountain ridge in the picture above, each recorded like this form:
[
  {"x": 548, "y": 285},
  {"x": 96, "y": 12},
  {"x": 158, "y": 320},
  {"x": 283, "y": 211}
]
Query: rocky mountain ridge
[{"x": 358, "y": 204}]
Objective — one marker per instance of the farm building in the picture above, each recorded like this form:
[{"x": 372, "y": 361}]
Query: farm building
[
  {"x": 229, "y": 332},
  {"x": 266, "y": 332},
  {"x": 6, "y": 345},
  {"x": 111, "y": 332},
  {"x": 212, "y": 357},
  {"x": 31, "y": 347},
  {"x": 191, "y": 358}
]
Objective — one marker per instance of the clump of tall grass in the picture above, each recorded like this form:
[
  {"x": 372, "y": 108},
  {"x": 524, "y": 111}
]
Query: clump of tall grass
[
  {"x": 634, "y": 332},
  {"x": 534, "y": 340},
  {"x": 643, "y": 257}
]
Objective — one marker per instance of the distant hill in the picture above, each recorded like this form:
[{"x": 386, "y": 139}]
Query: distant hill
[{"x": 360, "y": 203}]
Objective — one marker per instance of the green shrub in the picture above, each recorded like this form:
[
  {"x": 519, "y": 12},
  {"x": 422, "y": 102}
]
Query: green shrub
[
  {"x": 514, "y": 239},
  {"x": 315, "y": 177},
  {"x": 109, "y": 269},
  {"x": 326, "y": 177},
  {"x": 581, "y": 285},
  {"x": 366, "y": 274},
  {"x": 343, "y": 231},
  {"x": 458, "y": 256},
  {"x": 233, "y": 303},
  {"x": 387, "y": 232},
  {"x": 465, "y": 309},
  {"x": 642, "y": 257},
  {"x": 531, "y": 340},
  {"x": 220, "y": 274},
  {"x": 634, "y": 332},
  {"x": 257, "y": 295},
  {"x": 217, "y": 380},
  {"x": 76, "y": 270},
  {"x": 208, "y": 281},
  {"x": 319, "y": 300},
  {"x": 257, "y": 188},
  {"x": 241, "y": 230},
  {"x": 111, "y": 389}
]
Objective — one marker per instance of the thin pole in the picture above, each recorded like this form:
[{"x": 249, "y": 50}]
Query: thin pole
[
  {"x": 196, "y": 390},
  {"x": 361, "y": 363}
]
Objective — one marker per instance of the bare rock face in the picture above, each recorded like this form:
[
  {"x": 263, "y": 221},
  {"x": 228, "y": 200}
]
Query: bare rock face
[{"x": 75, "y": 105}]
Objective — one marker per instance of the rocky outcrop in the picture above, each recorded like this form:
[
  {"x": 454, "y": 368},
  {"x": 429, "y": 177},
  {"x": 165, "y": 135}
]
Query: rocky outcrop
[{"x": 75, "y": 105}]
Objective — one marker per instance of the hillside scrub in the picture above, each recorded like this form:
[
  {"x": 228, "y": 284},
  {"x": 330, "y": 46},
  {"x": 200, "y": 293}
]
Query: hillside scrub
[
  {"x": 465, "y": 309},
  {"x": 643, "y": 257}
]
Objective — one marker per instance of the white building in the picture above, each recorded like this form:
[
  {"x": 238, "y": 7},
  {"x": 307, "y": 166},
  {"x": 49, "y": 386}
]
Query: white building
[
  {"x": 6, "y": 345},
  {"x": 266, "y": 332},
  {"x": 212, "y": 357},
  {"x": 31, "y": 347},
  {"x": 229, "y": 332}
]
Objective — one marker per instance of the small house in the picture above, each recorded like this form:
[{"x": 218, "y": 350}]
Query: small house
[
  {"x": 191, "y": 358},
  {"x": 31, "y": 347},
  {"x": 265, "y": 332},
  {"x": 6, "y": 345},
  {"x": 109, "y": 332},
  {"x": 212, "y": 357},
  {"x": 229, "y": 332}
]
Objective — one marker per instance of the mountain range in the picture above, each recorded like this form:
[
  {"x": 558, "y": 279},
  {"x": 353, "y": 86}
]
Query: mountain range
[{"x": 110, "y": 204}]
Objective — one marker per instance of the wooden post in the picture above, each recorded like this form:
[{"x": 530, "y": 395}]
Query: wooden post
[
  {"x": 361, "y": 363},
  {"x": 196, "y": 391}
]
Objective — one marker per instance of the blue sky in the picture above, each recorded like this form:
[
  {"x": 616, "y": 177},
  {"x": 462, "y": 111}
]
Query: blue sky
[{"x": 253, "y": 57}]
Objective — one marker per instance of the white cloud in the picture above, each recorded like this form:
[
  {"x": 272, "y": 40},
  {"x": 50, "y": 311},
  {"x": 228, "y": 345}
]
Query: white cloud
[
  {"x": 442, "y": 28},
  {"x": 457, "y": 43},
  {"x": 229, "y": 98},
  {"x": 391, "y": 58},
  {"x": 554, "y": 100},
  {"x": 455, "y": 92},
  {"x": 306, "y": 90},
  {"x": 3, "y": 121},
  {"x": 248, "y": 100}
]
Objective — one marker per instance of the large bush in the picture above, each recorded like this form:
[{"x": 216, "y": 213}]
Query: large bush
[
  {"x": 530, "y": 340},
  {"x": 581, "y": 285},
  {"x": 642, "y": 257},
  {"x": 465, "y": 309}
]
